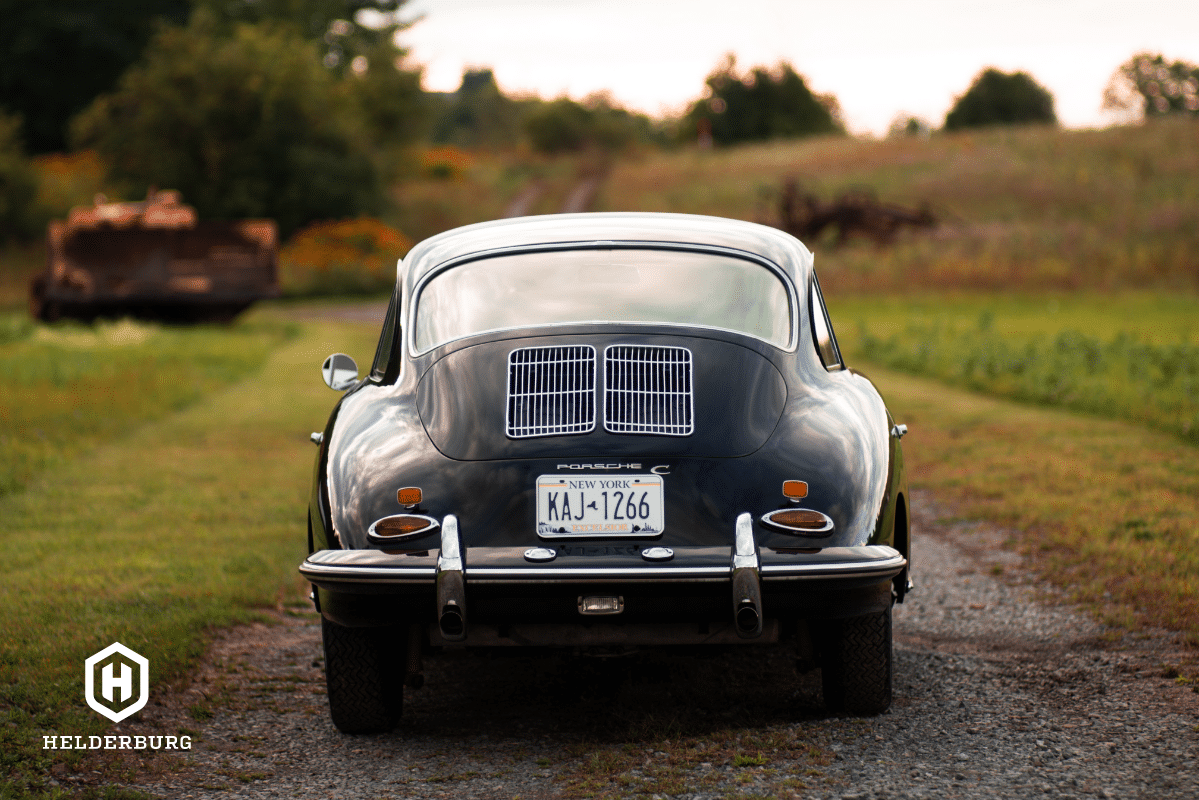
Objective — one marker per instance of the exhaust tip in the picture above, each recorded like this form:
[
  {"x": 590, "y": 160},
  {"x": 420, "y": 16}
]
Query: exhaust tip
[
  {"x": 748, "y": 619},
  {"x": 452, "y": 623}
]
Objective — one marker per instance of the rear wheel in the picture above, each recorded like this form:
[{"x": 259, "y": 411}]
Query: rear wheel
[
  {"x": 364, "y": 673},
  {"x": 855, "y": 668}
]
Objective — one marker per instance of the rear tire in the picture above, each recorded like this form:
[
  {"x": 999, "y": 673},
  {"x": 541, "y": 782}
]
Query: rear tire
[
  {"x": 364, "y": 674},
  {"x": 856, "y": 664}
]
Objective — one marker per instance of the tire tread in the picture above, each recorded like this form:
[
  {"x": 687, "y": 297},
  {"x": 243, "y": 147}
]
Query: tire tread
[
  {"x": 365, "y": 693},
  {"x": 856, "y": 665}
]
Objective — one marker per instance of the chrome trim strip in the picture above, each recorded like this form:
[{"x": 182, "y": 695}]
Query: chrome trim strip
[
  {"x": 745, "y": 549},
  {"x": 349, "y": 574},
  {"x": 450, "y": 557},
  {"x": 648, "y": 572},
  {"x": 892, "y": 565},
  {"x": 340, "y": 566}
]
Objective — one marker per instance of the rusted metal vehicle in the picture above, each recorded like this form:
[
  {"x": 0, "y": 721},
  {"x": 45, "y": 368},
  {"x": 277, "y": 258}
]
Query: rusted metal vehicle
[{"x": 153, "y": 259}]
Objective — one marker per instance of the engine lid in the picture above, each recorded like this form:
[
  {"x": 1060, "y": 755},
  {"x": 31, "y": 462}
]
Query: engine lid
[{"x": 601, "y": 396}]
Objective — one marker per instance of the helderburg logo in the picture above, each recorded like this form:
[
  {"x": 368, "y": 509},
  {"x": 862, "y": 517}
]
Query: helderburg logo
[{"x": 123, "y": 679}]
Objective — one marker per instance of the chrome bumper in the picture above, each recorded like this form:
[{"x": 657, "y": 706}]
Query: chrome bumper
[
  {"x": 745, "y": 571},
  {"x": 341, "y": 570}
]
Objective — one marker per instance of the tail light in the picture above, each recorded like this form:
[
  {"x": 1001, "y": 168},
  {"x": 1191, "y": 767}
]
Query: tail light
[
  {"x": 399, "y": 528},
  {"x": 799, "y": 521}
]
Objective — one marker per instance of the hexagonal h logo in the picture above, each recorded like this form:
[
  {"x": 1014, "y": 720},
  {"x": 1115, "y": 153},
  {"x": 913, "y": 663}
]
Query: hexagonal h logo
[{"x": 116, "y": 665}]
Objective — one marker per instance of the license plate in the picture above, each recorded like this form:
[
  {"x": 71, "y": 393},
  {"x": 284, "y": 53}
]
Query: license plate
[{"x": 599, "y": 505}]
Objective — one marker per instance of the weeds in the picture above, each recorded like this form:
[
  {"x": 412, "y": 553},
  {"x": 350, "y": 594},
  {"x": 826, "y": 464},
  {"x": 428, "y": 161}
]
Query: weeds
[{"x": 744, "y": 760}]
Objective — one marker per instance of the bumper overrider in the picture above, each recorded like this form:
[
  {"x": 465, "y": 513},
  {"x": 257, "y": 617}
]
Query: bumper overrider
[{"x": 527, "y": 596}]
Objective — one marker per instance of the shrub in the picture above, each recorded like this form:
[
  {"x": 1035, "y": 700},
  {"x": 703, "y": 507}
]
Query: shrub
[{"x": 353, "y": 256}]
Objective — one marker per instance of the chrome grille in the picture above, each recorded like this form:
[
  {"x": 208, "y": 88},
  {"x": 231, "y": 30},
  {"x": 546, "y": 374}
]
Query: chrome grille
[
  {"x": 551, "y": 391},
  {"x": 648, "y": 390}
]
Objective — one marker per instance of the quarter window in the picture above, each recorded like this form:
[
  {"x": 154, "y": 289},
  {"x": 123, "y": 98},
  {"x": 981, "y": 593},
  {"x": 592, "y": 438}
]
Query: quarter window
[
  {"x": 822, "y": 331},
  {"x": 387, "y": 340}
]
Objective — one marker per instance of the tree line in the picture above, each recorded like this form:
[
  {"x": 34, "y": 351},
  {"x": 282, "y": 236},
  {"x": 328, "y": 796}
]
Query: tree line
[{"x": 306, "y": 109}]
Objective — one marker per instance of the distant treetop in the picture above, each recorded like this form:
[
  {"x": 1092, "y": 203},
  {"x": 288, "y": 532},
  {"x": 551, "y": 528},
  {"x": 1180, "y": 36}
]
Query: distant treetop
[
  {"x": 1000, "y": 98},
  {"x": 763, "y": 104},
  {"x": 1149, "y": 84}
]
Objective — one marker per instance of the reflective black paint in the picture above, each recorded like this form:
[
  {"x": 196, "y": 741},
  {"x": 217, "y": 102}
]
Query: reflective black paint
[{"x": 763, "y": 415}]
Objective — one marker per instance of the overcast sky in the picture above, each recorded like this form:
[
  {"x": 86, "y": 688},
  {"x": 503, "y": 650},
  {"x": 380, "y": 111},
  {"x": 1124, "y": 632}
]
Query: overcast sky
[{"x": 880, "y": 58}]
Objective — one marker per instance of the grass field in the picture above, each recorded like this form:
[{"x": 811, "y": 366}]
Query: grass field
[
  {"x": 1127, "y": 356},
  {"x": 1108, "y": 510},
  {"x": 158, "y": 532},
  {"x": 482, "y": 189},
  {"x": 1024, "y": 209},
  {"x": 70, "y": 387}
]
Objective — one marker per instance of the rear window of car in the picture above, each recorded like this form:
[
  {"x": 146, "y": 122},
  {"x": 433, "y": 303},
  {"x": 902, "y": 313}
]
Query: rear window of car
[{"x": 674, "y": 287}]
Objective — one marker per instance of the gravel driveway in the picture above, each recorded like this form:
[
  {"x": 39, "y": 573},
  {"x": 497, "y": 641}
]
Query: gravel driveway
[{"x": 1000, "y": 692}]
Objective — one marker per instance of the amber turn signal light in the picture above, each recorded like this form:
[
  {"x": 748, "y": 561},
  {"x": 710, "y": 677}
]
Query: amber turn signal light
[
  {"x": 795, "y": 490},
  {"x": 803, "y": 521},
  {"x": 400, "y": 527},
  {"x": 409, "y": 496}
]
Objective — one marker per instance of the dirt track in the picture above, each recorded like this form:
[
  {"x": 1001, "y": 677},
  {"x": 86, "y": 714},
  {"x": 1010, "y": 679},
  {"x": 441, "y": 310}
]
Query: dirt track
[{"x": 998, "y": 694}]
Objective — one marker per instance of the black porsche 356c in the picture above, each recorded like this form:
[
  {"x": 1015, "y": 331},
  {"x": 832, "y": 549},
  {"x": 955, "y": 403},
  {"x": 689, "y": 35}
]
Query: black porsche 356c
[{"x": 605, "y": 431}]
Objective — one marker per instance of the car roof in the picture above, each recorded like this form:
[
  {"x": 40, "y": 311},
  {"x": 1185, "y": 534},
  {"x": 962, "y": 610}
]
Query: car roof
[{"x": 599, "y": 229}]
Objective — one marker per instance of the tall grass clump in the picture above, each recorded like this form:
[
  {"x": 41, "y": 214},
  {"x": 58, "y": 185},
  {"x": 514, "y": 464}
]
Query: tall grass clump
[{"x": 1123, "y": 376}]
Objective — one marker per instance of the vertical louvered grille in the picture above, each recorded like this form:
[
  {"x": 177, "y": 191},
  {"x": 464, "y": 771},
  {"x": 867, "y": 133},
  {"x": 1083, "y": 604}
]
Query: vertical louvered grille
[
  {"x": 648, "y": 390},
  {"x": 551, "y": 391}
]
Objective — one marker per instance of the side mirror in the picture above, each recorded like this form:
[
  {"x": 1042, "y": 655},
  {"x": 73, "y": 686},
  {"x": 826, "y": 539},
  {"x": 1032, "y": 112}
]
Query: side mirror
[{"x": 340, "y": 372}]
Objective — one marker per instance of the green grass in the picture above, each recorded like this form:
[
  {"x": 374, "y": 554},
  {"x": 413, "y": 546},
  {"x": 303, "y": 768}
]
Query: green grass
[
  {"x": 1108, "y": 510},
  {"x": 69, "y": 387},
  {"x": 1133, "y": 357},
  {"x": 155, "y": 536}
]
